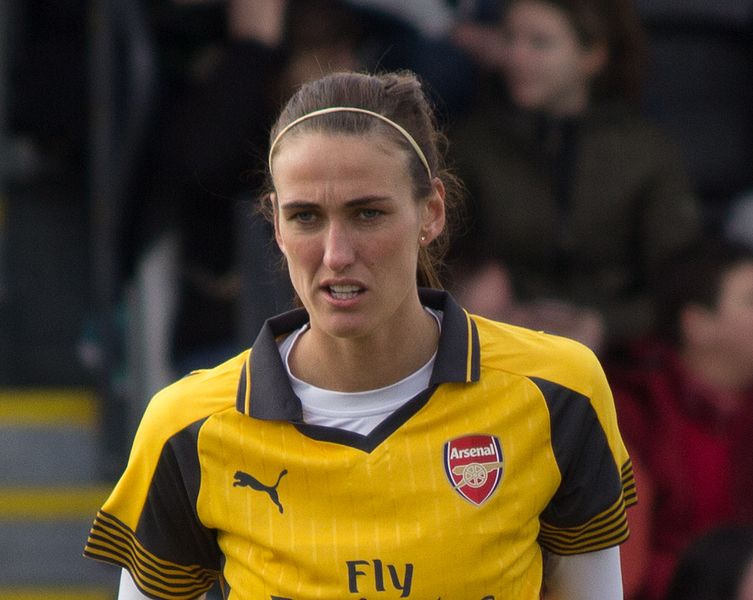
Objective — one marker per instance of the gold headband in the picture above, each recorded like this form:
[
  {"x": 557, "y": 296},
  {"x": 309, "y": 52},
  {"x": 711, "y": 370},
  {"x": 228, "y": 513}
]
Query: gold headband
[{"x": 333, "y": 109}]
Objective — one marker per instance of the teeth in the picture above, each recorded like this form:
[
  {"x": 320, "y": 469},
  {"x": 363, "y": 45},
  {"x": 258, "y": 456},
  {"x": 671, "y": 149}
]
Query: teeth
[
  {"x": 344, "y": 289},
  {"x": 344, "y": 292}
]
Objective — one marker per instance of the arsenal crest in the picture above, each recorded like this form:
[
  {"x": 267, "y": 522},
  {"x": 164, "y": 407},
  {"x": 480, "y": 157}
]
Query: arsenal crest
[{"x": 474, "y": 466}]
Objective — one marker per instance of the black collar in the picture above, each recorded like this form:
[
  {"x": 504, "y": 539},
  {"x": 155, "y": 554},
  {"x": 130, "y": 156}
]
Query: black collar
[{"x": 268, "y": 394}]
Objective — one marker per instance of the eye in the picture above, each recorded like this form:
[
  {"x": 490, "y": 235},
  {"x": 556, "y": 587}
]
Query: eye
[
  {"x": 303, "y": 216},
  {"x": 368, "y": 214}
]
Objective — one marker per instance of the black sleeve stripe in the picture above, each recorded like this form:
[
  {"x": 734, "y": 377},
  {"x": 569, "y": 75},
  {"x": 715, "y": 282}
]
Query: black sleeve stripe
[
  {"x": 607, "y": 529},
  {"x": 149, "y": 587},
  {"x": 116, "y": 552},
  {"x": 601, "y": 521},
  {"x": 603, "y": 531},
  {"x": 121, "y": 551},
  {"x": 591, "y": 546},
  {"x": 112, "y": 541},
  {"x": 628, "y": 484},
  {"x": 116, "y": 529}
]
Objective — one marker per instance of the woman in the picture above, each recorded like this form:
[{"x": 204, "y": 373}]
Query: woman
[
  {"x": 576, "y": 198},
  {"x": 379, "y": 441}
]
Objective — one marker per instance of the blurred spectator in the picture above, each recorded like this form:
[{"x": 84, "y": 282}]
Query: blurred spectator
[
  {"x": 574, "y": 197},
  {"x": 685, "y": 406},
  {"x": 716, "y": 566}
]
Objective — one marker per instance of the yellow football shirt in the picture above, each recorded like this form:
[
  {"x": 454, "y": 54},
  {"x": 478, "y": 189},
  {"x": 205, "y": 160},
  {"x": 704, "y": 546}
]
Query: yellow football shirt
[{"x": 514, "y": 447}]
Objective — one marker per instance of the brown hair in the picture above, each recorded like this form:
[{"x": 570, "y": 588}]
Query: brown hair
[
  {"x": 695, "y": 277},
  {"x": 399, "y": 97},
  {"x": 617, "y": 25}
]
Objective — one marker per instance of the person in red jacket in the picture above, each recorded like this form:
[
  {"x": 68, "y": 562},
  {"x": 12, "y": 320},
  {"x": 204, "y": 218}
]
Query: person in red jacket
[{"x": 685, "y": 405}]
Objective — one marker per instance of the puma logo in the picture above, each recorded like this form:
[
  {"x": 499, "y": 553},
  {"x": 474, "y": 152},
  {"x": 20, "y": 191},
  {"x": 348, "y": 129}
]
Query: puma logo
[{"x": 245, "y": 480}]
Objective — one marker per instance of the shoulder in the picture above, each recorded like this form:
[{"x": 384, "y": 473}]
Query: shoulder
[
  {"x": 536, "y": 354},
  {"x": 192, "y": 398},
  {"x": 625, "y": 124},
  {"x": 567, "y": 374}
]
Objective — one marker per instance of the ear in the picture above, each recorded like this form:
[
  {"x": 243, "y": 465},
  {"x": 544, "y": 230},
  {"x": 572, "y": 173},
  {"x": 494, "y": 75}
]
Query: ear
[
  {"x": 433, "y": 215},
  {"x": 276, "y": 221}
]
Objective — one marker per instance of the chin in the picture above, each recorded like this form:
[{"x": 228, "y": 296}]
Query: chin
[{"x": 344, "y": 327}]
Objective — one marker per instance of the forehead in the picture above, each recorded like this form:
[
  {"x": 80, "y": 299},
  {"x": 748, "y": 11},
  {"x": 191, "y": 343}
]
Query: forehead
[
  {"x": 312, "y": 158},
  {"x": 540, "y": 16}
]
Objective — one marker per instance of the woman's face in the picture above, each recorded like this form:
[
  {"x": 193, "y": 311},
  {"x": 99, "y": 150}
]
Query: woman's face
[
  {"x": 545, "y": 65},
  {"x": 350, "y": 229},
  {"x": 732, "y": 321}
]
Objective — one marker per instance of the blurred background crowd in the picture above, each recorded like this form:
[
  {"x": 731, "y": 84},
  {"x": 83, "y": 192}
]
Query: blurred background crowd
[{"x": 606, "y": 147}]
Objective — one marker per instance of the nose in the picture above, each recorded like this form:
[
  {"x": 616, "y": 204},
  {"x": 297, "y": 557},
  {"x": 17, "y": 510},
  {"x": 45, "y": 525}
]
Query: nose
[
  {"x": 339, "y": 249},
  {"x": 516, "y": 55},
  {"x": 518, "y": 49}
]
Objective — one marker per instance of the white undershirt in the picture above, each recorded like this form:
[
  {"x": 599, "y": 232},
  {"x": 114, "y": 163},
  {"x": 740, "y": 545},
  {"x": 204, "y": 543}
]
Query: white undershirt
[
  {"x": 591, "y": 576},
  {"x": 359, "y": 412}
]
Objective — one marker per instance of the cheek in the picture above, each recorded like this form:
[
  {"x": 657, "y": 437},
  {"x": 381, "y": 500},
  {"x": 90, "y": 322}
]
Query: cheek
[
  {"x": 395, "y": 254},
  {"x": 546, "y": 78},
  {"x": 391, "y": 249},
  {"x": 563, "y": 73},
  {"x": 737, "y": 328},
  {"x": 300, "y": 255}
]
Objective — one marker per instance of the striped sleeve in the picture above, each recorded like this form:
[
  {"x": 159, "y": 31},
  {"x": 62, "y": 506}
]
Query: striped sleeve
[
  {"x": 110, "y": 540},
  {"x": 607, "y": 529},
  {"x": 588, "y": 511},
  {"x": 149, "y": 524},
  {"x": 628, "y": 484}
]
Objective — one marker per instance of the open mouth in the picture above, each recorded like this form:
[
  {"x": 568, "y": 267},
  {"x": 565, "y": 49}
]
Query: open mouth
[{"x": 344, "y": 292}]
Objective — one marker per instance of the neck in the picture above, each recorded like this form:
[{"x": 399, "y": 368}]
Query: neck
[{"x": 366, "y": 363}]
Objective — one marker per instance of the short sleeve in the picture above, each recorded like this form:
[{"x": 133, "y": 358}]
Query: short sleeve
[
  {"x": 149, "y": 525},
  {"x": 588, "y": 511}
]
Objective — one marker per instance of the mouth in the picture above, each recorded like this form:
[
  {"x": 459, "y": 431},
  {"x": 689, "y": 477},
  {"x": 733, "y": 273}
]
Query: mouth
[{"x": 344, "y": 291}]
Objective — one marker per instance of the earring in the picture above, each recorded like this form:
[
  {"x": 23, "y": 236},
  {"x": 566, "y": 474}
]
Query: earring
[{"x": 423, "y": 238}]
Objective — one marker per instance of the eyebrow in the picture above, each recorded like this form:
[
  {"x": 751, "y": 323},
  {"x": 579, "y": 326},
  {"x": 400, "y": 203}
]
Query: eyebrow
[{"x": 354, "y": 203}]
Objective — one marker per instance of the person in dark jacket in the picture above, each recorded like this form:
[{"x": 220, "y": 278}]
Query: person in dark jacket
[{"x": 575, "y": 199}]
